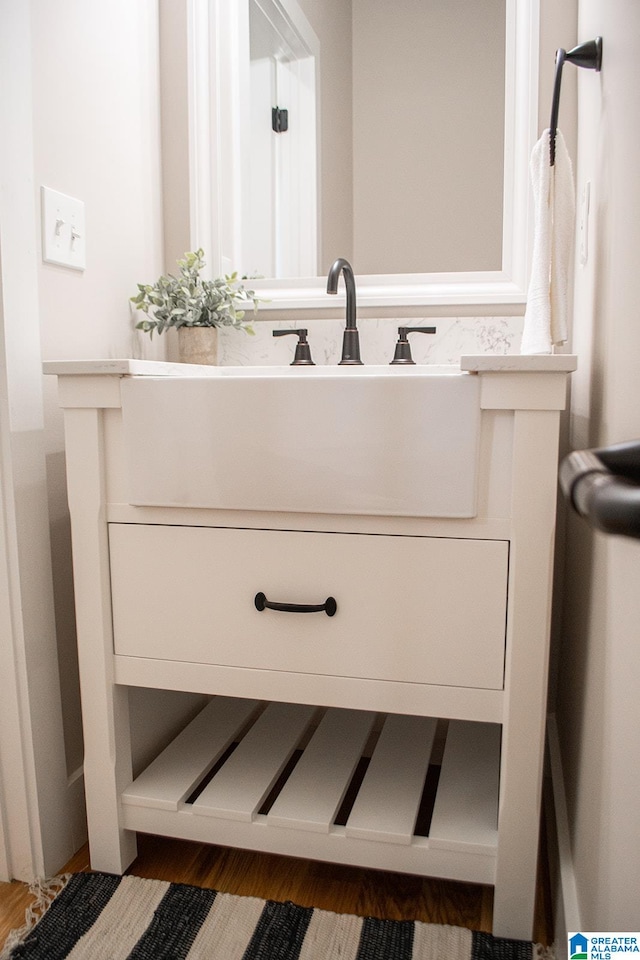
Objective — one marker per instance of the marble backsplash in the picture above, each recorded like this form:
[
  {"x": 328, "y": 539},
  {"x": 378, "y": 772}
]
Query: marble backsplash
[{"x": 454, "y": 337}]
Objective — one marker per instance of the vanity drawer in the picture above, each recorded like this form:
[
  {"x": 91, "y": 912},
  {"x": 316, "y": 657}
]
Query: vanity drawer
[{"x": 416, "y": 609}]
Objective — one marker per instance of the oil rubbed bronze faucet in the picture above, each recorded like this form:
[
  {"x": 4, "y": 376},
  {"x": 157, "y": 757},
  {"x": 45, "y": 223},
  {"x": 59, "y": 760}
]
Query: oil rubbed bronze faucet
[{"x": 351, "y": 337}]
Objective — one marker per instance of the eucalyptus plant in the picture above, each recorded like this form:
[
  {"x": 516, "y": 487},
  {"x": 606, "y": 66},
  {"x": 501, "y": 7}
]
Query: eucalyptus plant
[{"x": 189, "y": 301}]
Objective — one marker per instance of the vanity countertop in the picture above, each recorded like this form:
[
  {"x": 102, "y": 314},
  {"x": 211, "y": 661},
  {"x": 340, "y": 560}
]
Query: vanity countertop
[
  {"x": 126, "y": 368},
  {"x": 483, "y": 363},
  {"x": 515, "y": 363}
]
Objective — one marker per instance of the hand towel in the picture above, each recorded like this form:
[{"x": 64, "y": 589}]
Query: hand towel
[{"x": 545, "y": 319}]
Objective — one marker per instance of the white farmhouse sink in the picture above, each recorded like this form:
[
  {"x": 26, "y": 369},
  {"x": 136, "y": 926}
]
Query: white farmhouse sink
[{"x": 392, "y": 441}]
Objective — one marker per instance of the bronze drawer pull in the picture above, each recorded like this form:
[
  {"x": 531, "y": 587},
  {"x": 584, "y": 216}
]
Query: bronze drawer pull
[{"x": 329, "y": 606}]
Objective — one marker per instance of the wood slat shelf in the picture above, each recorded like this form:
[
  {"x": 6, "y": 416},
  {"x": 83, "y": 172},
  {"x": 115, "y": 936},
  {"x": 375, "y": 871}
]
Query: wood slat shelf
[{"x": 358, "y": 782}]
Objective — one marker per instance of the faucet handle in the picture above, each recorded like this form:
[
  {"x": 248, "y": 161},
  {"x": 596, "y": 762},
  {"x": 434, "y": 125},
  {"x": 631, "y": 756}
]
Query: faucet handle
[
  {"x": 403, "y": 348},
  {"x": 302, "y": 355}
]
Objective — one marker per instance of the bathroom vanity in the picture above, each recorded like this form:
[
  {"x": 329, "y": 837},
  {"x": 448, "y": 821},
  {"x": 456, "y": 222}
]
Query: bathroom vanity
[{"x": 355, "y": 566}]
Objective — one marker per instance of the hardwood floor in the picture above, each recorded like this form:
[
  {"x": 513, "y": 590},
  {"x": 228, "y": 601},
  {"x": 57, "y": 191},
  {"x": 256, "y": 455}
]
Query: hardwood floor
[{"x": 309, "y": 883}]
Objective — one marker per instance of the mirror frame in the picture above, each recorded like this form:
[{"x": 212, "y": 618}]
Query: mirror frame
[{"x": 210, "y": 64}]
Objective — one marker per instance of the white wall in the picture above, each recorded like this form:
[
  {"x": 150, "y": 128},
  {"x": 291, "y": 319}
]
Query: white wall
[
  {"x": 97, "y": 137},
  {"x": 598, "y": 706}
]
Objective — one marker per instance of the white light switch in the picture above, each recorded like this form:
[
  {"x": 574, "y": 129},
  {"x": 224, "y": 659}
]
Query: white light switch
[{"x": 63, "y": 230}]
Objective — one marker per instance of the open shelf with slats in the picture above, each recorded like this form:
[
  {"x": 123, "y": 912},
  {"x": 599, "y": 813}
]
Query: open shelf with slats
[{"x": 389, "y": 791}]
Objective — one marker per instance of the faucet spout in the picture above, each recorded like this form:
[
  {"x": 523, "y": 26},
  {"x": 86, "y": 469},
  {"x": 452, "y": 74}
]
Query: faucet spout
[
  {"x": 351, "y": 341},
  {"x": 344, "y": 267}
]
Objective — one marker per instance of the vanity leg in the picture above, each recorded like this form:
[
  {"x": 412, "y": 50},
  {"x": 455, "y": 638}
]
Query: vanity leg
[
  {"x": 105, "y": 706},
  {"x": 523, "y": 738},
  {"x": 107, "y": 772}
]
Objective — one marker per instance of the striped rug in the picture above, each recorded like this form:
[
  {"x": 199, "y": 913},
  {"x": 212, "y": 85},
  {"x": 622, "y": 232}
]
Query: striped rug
[{"x": 104, "y": 917}]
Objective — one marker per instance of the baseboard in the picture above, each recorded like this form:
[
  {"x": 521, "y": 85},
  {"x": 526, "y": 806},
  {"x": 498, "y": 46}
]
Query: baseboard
[{"x": 566, "y": 911}]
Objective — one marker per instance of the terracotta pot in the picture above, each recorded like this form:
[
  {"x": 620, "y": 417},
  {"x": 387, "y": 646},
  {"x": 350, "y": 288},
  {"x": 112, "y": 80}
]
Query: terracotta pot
[{"x": 198, "y": 345}]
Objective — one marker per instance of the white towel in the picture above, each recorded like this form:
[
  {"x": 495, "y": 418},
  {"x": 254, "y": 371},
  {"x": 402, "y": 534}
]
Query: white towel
[{"x": 545, "y": 319}]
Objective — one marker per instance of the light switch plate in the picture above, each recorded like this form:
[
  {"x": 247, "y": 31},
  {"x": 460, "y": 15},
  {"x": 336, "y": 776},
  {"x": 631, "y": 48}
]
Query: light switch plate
[{"x": 63, "y": 230}]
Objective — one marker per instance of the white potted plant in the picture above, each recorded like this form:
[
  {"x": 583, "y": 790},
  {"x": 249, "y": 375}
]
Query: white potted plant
[{"x": 195, "y": 307}]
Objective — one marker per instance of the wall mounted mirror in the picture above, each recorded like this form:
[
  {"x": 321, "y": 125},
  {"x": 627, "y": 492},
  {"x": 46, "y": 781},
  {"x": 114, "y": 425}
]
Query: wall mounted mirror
[{"x": 395, "y": 135}]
